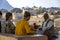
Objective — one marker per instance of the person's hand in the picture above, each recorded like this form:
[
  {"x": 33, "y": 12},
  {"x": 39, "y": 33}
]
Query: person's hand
[
  {"x": 40, "y": 29},
  {"x": 32, "y": 27}
]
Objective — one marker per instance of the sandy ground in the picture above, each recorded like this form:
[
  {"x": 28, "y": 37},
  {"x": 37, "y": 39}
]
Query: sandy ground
[{"x": 57, "y": 22}]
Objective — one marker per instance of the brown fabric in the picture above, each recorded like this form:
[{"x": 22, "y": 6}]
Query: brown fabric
[
  {"x": 33, "y": 38},
  {"x": 10, "y": 27},
  {"x": 49, "y": 33}
]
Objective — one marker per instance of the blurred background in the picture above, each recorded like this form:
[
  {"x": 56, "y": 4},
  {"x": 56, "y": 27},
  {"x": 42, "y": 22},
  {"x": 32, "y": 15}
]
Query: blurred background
[{"x": 37, "y": 8}]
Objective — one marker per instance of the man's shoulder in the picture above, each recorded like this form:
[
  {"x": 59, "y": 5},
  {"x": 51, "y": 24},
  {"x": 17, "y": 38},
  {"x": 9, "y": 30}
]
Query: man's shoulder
[
  {"x": 51, "y": 20},
  {"x": 21, "y": 21}
]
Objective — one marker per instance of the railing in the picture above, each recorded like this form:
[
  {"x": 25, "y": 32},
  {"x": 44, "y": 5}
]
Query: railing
[{"x": 25, "y": 37}]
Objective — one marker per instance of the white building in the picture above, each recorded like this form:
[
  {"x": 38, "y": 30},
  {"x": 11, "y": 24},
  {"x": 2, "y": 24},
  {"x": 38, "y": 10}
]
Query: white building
[{"x": 32, "y": 10}]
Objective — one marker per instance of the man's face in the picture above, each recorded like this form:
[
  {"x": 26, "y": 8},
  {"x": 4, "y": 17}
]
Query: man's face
[
  {"x": 11, "y": 17},
  {"x": 28, "y": 18},
  {"x": 45, "y": 17}
]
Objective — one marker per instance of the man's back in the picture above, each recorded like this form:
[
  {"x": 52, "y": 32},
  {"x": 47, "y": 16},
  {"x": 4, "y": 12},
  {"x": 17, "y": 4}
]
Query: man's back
[{"x": 22, "y": 27}]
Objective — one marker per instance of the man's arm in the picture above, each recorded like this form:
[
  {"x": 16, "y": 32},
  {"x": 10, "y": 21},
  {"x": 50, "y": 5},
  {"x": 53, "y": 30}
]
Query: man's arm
[
  {"x": 49, "y": 25},
  {"x": 28, "y": 29}
]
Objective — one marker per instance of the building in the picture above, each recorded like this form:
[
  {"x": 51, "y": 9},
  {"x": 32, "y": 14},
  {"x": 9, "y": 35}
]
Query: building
[{"x": 32, "y": 10}]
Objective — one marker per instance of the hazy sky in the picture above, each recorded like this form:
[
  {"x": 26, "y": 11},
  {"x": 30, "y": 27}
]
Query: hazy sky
[{"x": 30, "y": 3}]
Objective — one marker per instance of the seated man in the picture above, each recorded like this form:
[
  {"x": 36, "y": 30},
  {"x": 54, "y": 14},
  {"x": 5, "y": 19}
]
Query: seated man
[
  {"x": 22, "y": 26},
  {"x": 48, "y": 27}
]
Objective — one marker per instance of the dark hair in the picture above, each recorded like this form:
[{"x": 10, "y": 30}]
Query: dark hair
[
  {"x": 26, "y": 14},
  {"x": 0, "y": 13},
  {"x": 8, "y": 14},
  {"x": 46, "y": 14},
  {"x": 34, "y": 23}
]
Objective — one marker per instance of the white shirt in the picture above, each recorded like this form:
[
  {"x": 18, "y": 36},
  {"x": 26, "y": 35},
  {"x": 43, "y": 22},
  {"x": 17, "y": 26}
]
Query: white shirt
[{"x": 49, "y": 25}]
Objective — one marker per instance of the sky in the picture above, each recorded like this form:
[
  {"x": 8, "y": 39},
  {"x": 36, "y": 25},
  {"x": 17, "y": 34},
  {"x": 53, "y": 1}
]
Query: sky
[
  {"x": 5, "y": 5},
  {"x": 31, "y": 3}
]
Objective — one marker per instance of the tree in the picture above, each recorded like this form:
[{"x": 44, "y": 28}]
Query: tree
[
  {"x": 58, "y": 13},
  {"x": 4, "y": 10},
  {"x": 40, "y": 11},
  {"x": 16, "y": 10}
]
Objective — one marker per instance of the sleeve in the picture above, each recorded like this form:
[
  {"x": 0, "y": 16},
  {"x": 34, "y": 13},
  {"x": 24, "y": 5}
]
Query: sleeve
[
  {"x": 12, "y": 25},
  {"x": 7, "y": 27},
  {"x": 3, "y": 24},
  {"x": 49, "y": 25},
  {"x": 28, "y": 29}
]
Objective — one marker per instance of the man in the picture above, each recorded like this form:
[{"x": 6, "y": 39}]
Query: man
[
  {"x": 2, "y": 24},
  {"x": 22, "y": 26},
  {"x": 48, "y": 26},
  {"x": 0, "y": 20}
]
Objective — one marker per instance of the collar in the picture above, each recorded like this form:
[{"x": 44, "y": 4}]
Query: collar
[{"x": 46, "y": 20}]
